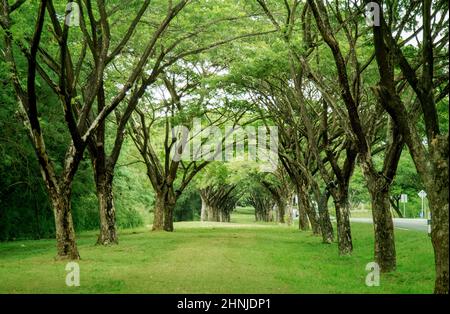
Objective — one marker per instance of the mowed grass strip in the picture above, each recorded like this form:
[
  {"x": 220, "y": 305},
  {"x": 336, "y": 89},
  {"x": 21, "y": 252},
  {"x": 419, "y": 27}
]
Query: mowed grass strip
[{"x": 218, "y": 258}]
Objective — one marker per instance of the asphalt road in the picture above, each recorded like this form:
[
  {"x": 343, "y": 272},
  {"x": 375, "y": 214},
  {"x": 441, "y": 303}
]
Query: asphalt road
[{"x": 400, "y": 223}]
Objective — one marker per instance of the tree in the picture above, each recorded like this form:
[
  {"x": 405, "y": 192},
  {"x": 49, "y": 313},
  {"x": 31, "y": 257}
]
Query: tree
[
  {"x": 429, "y": 83},
  {"x": 378, "y": 182},
  {"x": 219, "y": 201},
  {"x": 296, "y": 103},
  {"x": 172, "y": 40},
  {"x": 181, "y": 109},
  {"x": 263, "y": 204},
  {"x": 78, "y": 86},
  {"x": 104, "y": 164},
  {"x": 221, "y": 185},
  {"x": 280, "y": 189}
]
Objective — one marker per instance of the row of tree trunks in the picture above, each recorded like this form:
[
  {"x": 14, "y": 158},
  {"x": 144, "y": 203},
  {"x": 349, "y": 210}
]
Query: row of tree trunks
[
  {"x": 218, "y": 202},
  {"x": 225, "y": 216},
  {"x": 281, "y": 195},
  {"x": 363, "y": 138},
  {"x": 265, "y": 216},
  {"x": 263, "y": 205},
  {"x": 344, "y": 233},
  {"x": 217, "y": 215}
]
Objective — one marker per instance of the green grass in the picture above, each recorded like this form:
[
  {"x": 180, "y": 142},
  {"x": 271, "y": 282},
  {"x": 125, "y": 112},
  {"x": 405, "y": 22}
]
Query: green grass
[{"x": 241, "y": 257}]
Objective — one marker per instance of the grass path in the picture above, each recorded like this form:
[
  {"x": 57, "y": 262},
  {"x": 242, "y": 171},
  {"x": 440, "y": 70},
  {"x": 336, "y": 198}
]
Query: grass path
[{"x": 217, "y": 258}]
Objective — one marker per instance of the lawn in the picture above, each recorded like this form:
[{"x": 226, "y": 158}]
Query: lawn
[{"x": 240, "y": 257}]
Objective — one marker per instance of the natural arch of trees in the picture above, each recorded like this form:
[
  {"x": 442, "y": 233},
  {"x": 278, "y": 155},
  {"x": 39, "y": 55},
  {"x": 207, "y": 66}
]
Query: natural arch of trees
[{"x": 344, "y": 95}]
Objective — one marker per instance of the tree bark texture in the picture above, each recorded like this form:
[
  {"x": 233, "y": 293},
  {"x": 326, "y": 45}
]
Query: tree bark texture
[
  {"x": 65, "y": 232},
  {"x": 324, "y": 217},
  {"x": 344, "y": 232}
]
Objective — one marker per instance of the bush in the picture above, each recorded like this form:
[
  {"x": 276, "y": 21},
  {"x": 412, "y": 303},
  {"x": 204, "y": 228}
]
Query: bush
[{"x": 188, "y": 206}]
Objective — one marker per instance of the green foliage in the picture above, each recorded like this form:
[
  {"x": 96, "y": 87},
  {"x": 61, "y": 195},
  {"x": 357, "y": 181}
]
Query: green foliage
[
  {"x": 133, "y": 198},
  {"x": 407, "y": 181},
  {"x": 25, "y": 211},
  {"x": 188, "y": 205}
]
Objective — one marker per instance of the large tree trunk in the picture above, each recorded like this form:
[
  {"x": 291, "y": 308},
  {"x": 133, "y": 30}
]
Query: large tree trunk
[
  {"x": 379, "y": 184},
  {"x": 103, "y": 168},
  {"x": 310, "y": 212},
  {"x": 384, "y": 229},
  {"x": 158, "y": 212},
  {"x": 168, "y": 216},
  {"x": 65, "y": 232},
  {"x": 438, "y": 190},
  {"x": 343, "y": 223},
  {"x": 438, "y": 194},
  {"x": 60, "y": 196},
  {"x": 324, "y": 217},
  {"x": 431, "y": 160},
  {"x": 107, "y": 211},
  {"x": 303, "y": 222},
  {"x": 164, "y": 208},
  {"x": 439, "y": 238}
]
